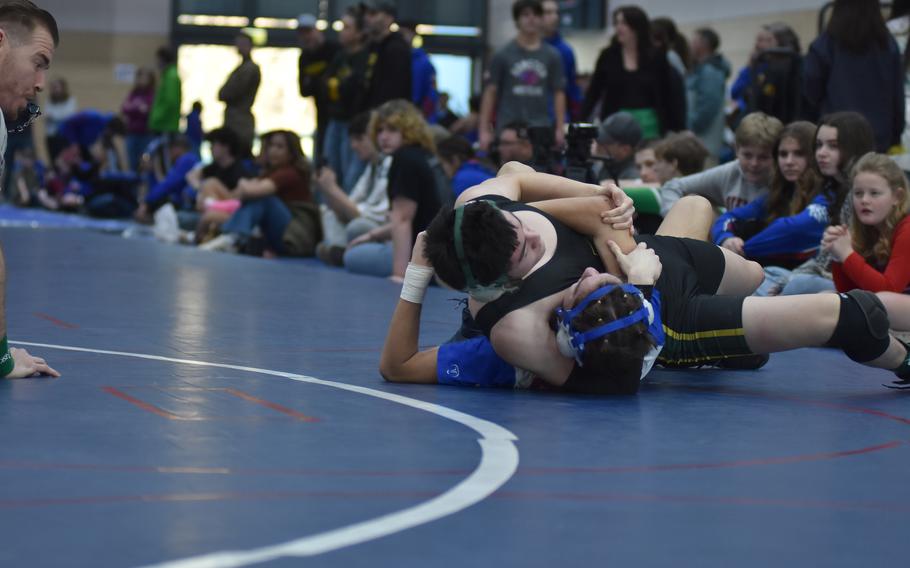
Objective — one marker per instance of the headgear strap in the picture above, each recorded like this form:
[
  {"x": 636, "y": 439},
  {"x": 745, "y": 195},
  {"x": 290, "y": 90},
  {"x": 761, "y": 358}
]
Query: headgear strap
[{"x": 572, "y": 342}]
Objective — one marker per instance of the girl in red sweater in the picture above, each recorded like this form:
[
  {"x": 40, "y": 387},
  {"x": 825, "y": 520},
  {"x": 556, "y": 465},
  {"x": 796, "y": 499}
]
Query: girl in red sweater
[{"x": 874, "y": 254}]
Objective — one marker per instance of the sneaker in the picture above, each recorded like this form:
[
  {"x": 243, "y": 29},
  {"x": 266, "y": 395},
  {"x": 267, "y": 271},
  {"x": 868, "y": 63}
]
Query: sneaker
[
  {"x": 222, "y": 243},
  {"x": 902, "y": 372},
  {"x": 332, "y": 255}
]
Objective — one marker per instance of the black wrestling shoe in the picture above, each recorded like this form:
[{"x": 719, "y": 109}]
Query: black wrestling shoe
[
  {"x": 902, "y": 372},
  {"x": 745, "y": 363}
]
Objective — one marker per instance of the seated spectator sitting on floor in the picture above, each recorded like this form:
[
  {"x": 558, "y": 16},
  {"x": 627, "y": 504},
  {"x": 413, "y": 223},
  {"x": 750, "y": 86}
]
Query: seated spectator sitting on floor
[
  {"x": 215, "y": 182},
  {"x": 618, "y": 136},
  {"x": 416, "y": 191},
  {"x": 460, "y": 164},
  {"x": 783, "y": 228},
  {"x": 279, "y": 203},
  {"x": 172, "y": 187},
  {"x": 677, "y": 155},
  {"x": 874, "y": 252},
  {"x": 344, "y": 218},
  {"x": 28, "y": 178},
  {"x": 739, "y": 182},
  {"x": 109, "y": 188}
]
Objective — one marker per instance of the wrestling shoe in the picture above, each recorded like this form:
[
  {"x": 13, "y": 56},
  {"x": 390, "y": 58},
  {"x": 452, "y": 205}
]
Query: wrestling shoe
[{"x": 902, "y": 372}]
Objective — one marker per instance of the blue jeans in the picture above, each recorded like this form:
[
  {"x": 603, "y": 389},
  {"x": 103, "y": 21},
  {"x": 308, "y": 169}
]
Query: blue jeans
[
  {"x": 268, "y": 213},
  {"x": 339, "y": 156},
  {"x": 807, "y": 284},
  {"x": 775, "y": 280},
  {"x": 135, "y": 146},
  {"x": 373, "y": 259}
]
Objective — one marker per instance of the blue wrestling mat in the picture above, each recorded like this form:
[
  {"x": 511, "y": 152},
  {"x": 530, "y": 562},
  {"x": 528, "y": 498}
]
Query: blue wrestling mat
[{"x": 220, "y": 410}]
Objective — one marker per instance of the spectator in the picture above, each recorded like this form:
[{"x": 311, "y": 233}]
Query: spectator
[
  {"x": 514, "y": 144},
  {"x": 772, "y": 80},
  {"x": 172, "y": 187},
  {"x": 899, "y": 27},
  {"x": 239, "y": 93},
  {"x": 468, "y": 125},
  {"x": 135, "y": 110},
  {"x": 164, "y": 117},
  {"x": 666, "y": 37},
  {"x": 782, "y": 229},
  {"x": 874, "y": 253},
  {"x": 841, "y": 139},
  {"x": 854, "y": 52},
  {"x": 28, "y": 178},
  {"x": 618, "y": 137},
  {"x": 645, "y": 159},
  {"x": 524, "y": 77},
  {"x": 415, "y": 191},
  {"x": 461, "y": 165},
  {"x": 316, "y": 52},
  {"x": 632, "y": 75},
  {"x": 389, "y": 72},
  {"x": 552, "y": 36},
  {"x": 194, "y": 127},
  {"x": 423, "y": 74},
  {"x": 343, "y": 89},
  {"x": 705, "y": 87},
  {"x": 739, "y": 182},
  {"x": 215, "y": 183},
  {"x": 346, "y": 218},
  {"x": 677, "y": 155},
  {"x": 444, "y": 115},
  {"x": 60, "y": 106},
  {"x": 279, "y": 203}
]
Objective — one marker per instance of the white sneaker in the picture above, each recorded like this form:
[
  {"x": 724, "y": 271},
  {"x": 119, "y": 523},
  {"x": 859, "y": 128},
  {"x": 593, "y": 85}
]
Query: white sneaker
[
  {"x": 166, "y": 226},
  {"x": 222, "y": 243}
]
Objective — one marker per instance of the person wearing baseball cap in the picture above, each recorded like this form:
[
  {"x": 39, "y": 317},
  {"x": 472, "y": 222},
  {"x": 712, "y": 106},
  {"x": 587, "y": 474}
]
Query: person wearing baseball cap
[
  {"x": 390, "y": 73},
  {"x": 617, "y": 138}
]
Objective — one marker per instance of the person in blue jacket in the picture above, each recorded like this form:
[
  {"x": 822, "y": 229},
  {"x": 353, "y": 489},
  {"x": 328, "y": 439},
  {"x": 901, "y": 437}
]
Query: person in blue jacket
[
  {"x": 423, "y": 74},
  {"x": 554, "y": 38},
  {"x": 172, "y": 187},
  {"x": 460, "y": 165},
  {"x": 784, "y": 227}
]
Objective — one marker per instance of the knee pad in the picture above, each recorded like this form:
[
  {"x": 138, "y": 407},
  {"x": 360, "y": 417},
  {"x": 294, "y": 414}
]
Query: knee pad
[{"x": 862, "y": 328}]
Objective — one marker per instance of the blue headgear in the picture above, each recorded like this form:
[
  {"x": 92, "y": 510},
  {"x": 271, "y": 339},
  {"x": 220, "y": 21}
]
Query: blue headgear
[
  {"x": 480, "y": 292},
  {"x": 572, "y": 342}
]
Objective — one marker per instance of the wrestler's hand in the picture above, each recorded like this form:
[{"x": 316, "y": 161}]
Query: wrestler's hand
[
  {"x": 641, "y": 266},
  {"x": 418, "y": 255},
  {"x": 622, "y": 210},
  {"x": 735, "y": 244},
  {"x": 29, "y": 366}
]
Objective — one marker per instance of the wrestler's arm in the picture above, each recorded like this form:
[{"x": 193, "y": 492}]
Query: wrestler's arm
[
  {"x": 529, "y": 186},
  {"x": 524, "y": 340},
  {"x": 401, "y": 360}
]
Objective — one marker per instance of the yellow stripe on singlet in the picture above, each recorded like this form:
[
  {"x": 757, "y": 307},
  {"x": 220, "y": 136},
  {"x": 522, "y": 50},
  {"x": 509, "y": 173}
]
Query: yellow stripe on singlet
[{"x": 679, "y": 336}]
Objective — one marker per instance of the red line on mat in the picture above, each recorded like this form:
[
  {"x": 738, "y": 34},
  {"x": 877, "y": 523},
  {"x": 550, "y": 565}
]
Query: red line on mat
[
  {"x": 55, "y": 321},
  {"x": 143, "y": 405},
  {"x": 274, "y": 406}
]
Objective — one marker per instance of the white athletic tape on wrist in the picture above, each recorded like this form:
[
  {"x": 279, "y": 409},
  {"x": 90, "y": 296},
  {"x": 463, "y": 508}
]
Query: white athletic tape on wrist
[{"x": 416, "y": 280}]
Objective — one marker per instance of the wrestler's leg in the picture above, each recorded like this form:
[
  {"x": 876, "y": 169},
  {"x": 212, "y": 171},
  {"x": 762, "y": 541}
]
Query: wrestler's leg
[
  {"x": 514, "y": 168},
  {"x": 690, "y": 217},
  {"x": 781, "y": 323},
  {"x": 741, "y": 277},
  {"x": 898, "y": 307}
]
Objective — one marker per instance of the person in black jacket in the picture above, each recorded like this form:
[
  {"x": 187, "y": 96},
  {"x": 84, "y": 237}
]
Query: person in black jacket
[
  {"x": 632, "y": 75},
  {"x": 389, "y": 68},
  {"x": 856, "y": 65},
  {"x": 316, "y": 52}
]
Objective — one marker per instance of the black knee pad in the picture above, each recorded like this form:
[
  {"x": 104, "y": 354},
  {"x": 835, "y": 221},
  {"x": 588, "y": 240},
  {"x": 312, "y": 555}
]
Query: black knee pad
[{"x": 862, "y": 328}]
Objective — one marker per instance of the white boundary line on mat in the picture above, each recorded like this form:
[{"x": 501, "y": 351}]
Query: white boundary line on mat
[{"x": 498, "y": 462}]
